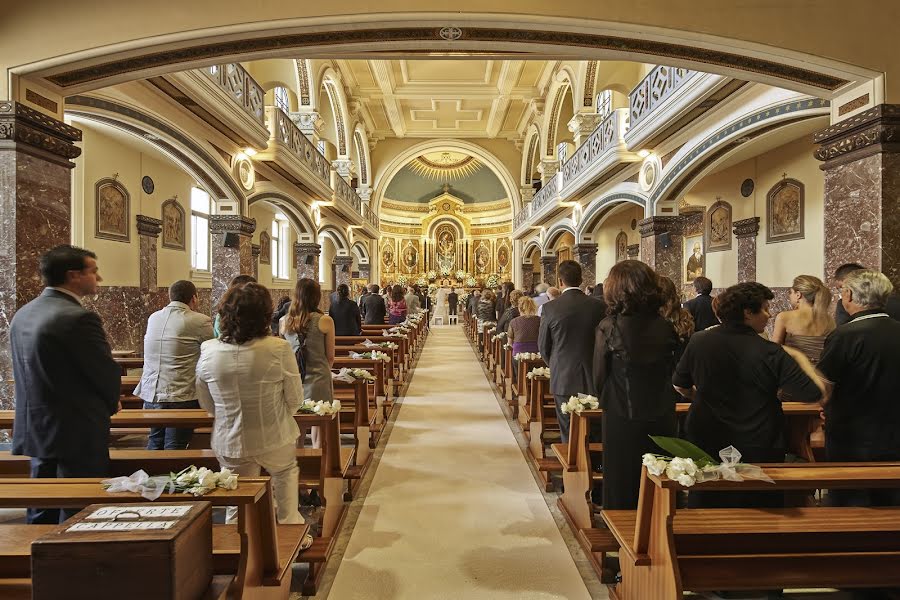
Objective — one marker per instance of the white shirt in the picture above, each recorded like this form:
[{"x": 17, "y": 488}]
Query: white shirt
[
  {"x": 171, "y": 349},
  {"x": 252, "y": 390}
]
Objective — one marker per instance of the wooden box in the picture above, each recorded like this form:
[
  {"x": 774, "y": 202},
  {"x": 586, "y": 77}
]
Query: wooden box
[{"x": 158, "y": 551}]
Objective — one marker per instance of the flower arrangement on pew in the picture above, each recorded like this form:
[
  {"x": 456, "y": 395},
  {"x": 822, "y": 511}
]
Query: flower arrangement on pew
[
  {"x": 689, "y": 464},
  {"x": 539, "y": 372},
  {"x": 492, "y": 330},
  {"x": 371, "y": 344},
  {"x": 579, "y": 403},
  {"x": 501, "y": 336},
  {"x": 373, "y": 355},
  {"x": 527, "y": 356},
  {"x": 350, "y": 375},
  {"x": 361, "y": 374},
  {"x": 189, "y": 480},
  {"x": 320, "y": 407}
]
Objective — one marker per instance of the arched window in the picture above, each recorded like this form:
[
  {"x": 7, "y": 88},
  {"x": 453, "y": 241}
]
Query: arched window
[
  {"x": 282, "y": 100},
  {"x": 201, "y": 207},
  {"x": 279, "y": 245},
  {"x": 604, "y": 103}
]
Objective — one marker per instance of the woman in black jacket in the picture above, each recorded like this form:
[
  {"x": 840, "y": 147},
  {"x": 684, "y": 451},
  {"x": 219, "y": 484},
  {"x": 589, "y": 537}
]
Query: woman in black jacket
[
  {"x": 634, "y": 358},
  {"x": 345, "y": 313}
]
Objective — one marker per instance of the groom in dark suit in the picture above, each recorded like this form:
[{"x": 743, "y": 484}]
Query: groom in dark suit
[
  {"x": 67, "y": 384},
  {"x": 452, "y": 300},
  {"x": 566, "y": 340}
]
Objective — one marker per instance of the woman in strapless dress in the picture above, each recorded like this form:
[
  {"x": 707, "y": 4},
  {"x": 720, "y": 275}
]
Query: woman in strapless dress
[{"x": 806, "y": 326}]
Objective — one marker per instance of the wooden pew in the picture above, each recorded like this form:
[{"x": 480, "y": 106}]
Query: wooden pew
[
  {"x": 129, "y": 362},
  {"x": 356, "y": 419},
  {"x": 579, "y": 478},
  {"x": 382, "y": 385},
  {"x": 257, "y": 551},
  {"x": 666, "y": 551},
  {"x": 522, "y": 388},
  {"x": 540, "y": 414},
  {"x": 507, "y": 376}
]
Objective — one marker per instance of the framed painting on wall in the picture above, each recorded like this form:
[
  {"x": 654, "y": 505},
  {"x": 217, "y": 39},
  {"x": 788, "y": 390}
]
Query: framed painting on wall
[
  {"x": 112, "y": 206},
  {"x": 718, "y": 227},
  {"x": 784, "y": 212},
  {"x": 694, "y": 257},
  {"x": 265, "y": 248},
  {"x": 173, "y": 225},
  {"x": 621, "y": 247}
]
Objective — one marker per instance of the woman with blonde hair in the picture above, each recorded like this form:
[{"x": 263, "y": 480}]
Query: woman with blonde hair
[
  {"x": 809, "y": 323},
  {"x": 524, "y": 329}
]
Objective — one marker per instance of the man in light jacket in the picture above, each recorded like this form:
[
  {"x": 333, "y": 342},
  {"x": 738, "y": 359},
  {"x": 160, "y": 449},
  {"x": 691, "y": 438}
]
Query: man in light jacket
[{"x": 171, "y": 349}]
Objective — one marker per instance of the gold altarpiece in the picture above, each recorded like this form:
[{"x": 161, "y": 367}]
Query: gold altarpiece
[{"x": 446, "y": 242}]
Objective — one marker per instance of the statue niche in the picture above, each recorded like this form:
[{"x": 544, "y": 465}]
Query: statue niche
[{"x": 445, "y": 243}]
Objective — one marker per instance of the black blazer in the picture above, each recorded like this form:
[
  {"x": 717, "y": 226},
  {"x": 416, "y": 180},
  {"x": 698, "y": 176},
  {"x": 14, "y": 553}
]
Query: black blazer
[
  {"x": 566, "y": 341},
  {"x": 702, "y": 312},
  {"x": 452, "y": 300},
  {"x": 373, "y": 309},
  {"x": 67, "y": 384},
  {"x": 346, "y": 317}
]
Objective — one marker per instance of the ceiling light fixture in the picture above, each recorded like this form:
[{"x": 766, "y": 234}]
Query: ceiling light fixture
[
  {"x": 643, "y": 153},
  {"x": 250, "y": 151}
]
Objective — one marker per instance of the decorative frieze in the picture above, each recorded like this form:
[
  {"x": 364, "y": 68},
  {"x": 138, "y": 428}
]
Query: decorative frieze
[
  {"x": 870, "y": 132},
  {"x": 33, "y": 131},
  {"x": 634, "y": 251},
  {"x": 746, "y": 227},
  {"x": 148, "y": 226},
  {"x": 232, "y": 224},
  {"x": 657, "y": 225}
]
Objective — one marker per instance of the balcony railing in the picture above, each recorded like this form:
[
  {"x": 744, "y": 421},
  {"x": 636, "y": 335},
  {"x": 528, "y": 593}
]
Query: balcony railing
[
  {"x": 658, "y": 85},
  {"x": 283, "y": 130},
  {"x": 234, "y": 80},
  {"x": 345, "y": 193},
  {"x": 546, "y": 194},
  {"x": 370, "y": 216},
  {"x": 608, "y": 134},
  {"x": 522, "y": 217}
]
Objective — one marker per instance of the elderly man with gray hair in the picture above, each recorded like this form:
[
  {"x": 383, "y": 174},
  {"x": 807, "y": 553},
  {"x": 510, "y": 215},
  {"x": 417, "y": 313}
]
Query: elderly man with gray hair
[
  {"x": 861, "y": 361},
  {"x": 541, "y": 290}
]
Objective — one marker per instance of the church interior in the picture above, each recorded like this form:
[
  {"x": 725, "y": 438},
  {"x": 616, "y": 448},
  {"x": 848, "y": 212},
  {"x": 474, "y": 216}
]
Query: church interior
[{"x": 487, "y": 147}]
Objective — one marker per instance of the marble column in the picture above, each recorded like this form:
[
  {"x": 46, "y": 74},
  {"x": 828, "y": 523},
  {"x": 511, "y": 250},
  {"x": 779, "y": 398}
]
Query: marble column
[
  {"x": 861, "y": 160},
  {"x": 661, "y": 246},
  {"x": 746, "y": 231},
  {"x": 586, "y": 256},
  {"x": 365, "y": 271},
  {"x": 35, "y": 210},
  {"x": 548, "y": 266},
  {"x": 342, "y": 270},
  {"x": 255, "y": 250},
  {"x": 234, "y": 259},
  {"x": 148, "y": 230},
  {"x": 634, "y": 252},
  {"x": 307, "y": 257},
  {"x": 527, "y": 276}
]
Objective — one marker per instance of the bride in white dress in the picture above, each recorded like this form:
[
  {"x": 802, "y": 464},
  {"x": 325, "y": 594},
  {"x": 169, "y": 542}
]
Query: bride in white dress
[{"x": 441, "y": 308}]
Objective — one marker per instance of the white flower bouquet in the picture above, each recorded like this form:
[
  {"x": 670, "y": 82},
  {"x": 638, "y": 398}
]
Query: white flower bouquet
[
  {"x": 579, "y": 403},
  {"x": 431, "y": 275},
  {"x": 470, "y": 281},
  {"x": 539, "y": 372},
  {"x": 190, "y": 480},
  {"x": 373, "y": 355},
  {"x": 502, "y": 335},
  {"x": 527, "y": 356},
  {"x": 320, "y": 407},
  {"x": 460, "y": 275},
  {"x": 421, "y": 281},
  {"x": 492, "y": 281},
  {"x": 689, "y": 464},
  {"x": 402, "y": 280},
  {"x": 507, "y": 346},
  {"x": 394, "y": 334},
  {"x": 445, "y": 271}
]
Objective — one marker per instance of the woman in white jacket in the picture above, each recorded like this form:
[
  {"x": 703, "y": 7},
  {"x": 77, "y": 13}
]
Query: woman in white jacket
[{"x": 249, "y": 381}]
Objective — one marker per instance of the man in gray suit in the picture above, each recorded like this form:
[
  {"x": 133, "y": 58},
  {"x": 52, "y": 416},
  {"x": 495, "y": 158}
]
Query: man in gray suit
[
  {"x": 566, "y": 340},
  {"x": 171, "y": 350},
  {"x": 67, "y": 383}
]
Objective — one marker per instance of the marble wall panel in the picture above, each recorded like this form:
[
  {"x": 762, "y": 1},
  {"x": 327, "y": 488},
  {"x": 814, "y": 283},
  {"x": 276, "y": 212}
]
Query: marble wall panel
[
  {"x": 342, "y": 272},
  {"x": 548, "y": 266},
  {"x": 228, "y": 263},
  {"x": 586, "y": 255},
  {"x": 307, "y": 258},
  {"x": 124, "y": 311}
]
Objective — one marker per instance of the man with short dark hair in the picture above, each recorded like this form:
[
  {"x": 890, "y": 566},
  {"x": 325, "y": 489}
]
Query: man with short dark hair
[
  {"x": 171, "y": 350},
  {"x": 452, "y": 300},
  {"x": 372, "y": 307},
  {"x": 700, "y": 306},
  {"x": 566, "y": 340},
  {"x": 841, "y": 316},
  {"x": 66, "y": 381}
]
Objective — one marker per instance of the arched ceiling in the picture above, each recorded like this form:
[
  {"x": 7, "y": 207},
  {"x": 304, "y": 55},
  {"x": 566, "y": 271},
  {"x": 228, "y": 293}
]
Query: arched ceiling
[{"x": 430, "y": 174}]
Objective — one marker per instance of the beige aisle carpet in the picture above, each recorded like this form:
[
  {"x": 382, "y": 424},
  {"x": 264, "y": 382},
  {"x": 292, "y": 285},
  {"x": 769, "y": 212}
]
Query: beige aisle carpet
[{"x": 453, "y": 510}]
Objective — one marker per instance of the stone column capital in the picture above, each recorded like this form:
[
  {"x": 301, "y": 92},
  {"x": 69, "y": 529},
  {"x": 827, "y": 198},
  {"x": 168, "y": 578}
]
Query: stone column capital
[
  {"x": 304, "y": 248},
  {"x": 255, "y": 250},
  {"x": 148, "y": 226},
  {"x": 549, "y": 260},
  {"x": 585, "y": 248},
  {"x": 344, "y": 167},
  {"x": 633, "y": 251},
  {"x": 343, "y": 260},
  {"x": 652, "y": 226},
  {"x": 309, "y": 122},
  {"x": 746, "y": 227},
  {"x": 584, "y": 123},
  {"x": 527, "y": 193},
  {"x": 36, "y": 133},
  {"x": 527, "y": 267},
  {"x": 364, "y": 193},
  {"x": 548, "y": 168},
  {"x": 870, "y": 132},
  {"x": 232, "y": 224}
]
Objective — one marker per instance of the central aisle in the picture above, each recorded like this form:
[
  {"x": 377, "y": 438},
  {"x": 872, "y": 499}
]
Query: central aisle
[{"x": 453, "y": 510}]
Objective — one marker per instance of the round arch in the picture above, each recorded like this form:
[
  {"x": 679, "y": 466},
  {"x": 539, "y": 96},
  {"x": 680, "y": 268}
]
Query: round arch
[
  {"x": 557, "y": 231},
  {"x": 690, "y": 164},
  {"x": 562, "y": 85},
  {"x": 532, "y": 151},
  {"x": 530, "y": 247},
  {"x": 452, "y": 220},
  {"x": 295, "y": 211},
  {"x": 360, "y": 250},
  {"x": 200, "y": 162},
  {"x": 250, "y": 32},
  {"x": 337, "y": 237},
  {"x": 598, "y": 209},
  {"x": 485, "y": 156},
  {"x": 361, "y": 143},
  {"x": 334, "y": 88},
  {"x": 306, "y": 99}
]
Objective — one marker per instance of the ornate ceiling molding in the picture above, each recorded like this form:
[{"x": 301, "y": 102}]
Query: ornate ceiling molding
[{"x": 870, "y": 132}]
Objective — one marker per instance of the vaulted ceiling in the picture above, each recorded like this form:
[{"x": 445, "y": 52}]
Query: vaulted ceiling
[{"x": 445, "y": 98}]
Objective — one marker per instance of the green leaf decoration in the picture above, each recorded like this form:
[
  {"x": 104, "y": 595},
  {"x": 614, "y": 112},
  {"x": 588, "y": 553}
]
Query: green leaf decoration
[{"x": 684, "y": 449}]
